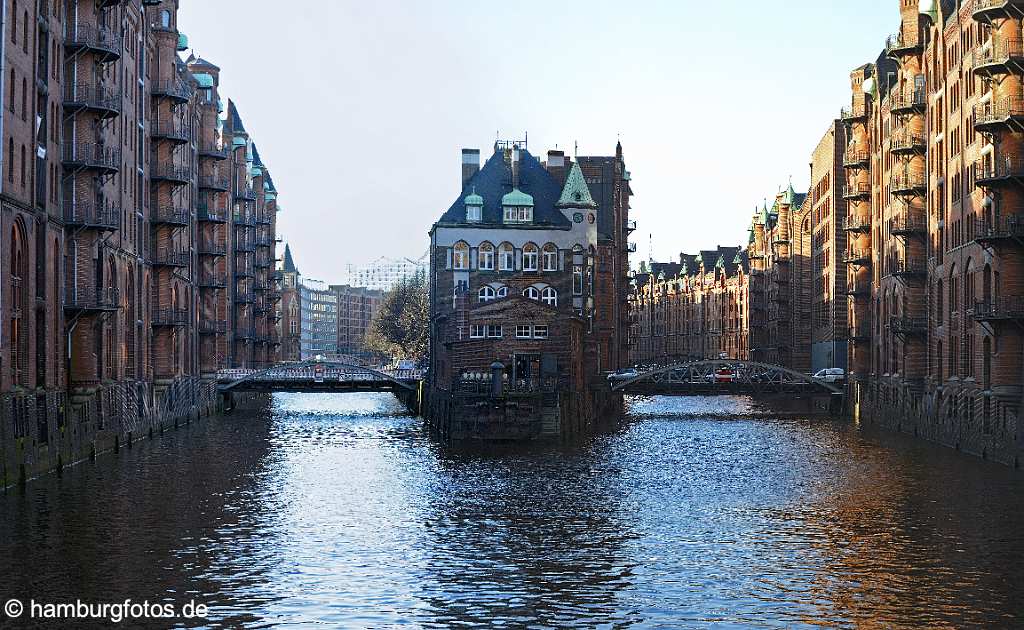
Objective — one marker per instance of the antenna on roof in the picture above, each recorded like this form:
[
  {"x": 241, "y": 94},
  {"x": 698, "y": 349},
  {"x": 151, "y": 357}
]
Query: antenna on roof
[
  {"x": 575, "y": 148},
  {"x": 650, "y": 248}
]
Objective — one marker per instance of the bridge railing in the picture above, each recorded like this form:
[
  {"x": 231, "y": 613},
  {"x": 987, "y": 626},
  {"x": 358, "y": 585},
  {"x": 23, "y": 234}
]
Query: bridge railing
[{"x": 314, "y": 373}]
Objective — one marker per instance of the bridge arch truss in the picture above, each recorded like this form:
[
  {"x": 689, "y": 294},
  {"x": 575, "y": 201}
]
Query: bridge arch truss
[{"x": 748, "y": 377}]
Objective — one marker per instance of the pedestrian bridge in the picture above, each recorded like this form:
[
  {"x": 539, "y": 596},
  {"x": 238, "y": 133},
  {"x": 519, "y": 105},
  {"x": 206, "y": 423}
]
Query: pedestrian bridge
[
  {"x": 703, "y": 378},
  {"x": 320, "y": 376}
]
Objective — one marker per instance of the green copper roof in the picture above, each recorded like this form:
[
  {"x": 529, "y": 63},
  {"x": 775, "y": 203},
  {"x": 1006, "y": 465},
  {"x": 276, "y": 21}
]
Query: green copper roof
[
  {"x": 270, "y": 195},
  {"x": 182, "y": 41},
  {"x": 517, "y": 198},
  {"x": 255, "y": 171},
  {"x": 575, "y": 193},
  {"x": 474, "y": 199},
  {"x": 204, "y": 80},
  {"x": 238, "y": 141}
]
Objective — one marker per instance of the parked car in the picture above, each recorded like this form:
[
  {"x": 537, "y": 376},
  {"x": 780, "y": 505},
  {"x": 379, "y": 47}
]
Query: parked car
[
  {"x": 831, "y": 375},
  {"x": 624, "y": 374}
]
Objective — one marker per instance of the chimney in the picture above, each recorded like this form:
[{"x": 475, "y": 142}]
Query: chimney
[
  {"x": 556, "y": 165},
  {"x": 470, "y": 165},
  {"x": 515, "y": 166}
]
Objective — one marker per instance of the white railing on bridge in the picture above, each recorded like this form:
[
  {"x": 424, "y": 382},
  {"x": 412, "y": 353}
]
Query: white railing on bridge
[{"x": 319, "y": 373}]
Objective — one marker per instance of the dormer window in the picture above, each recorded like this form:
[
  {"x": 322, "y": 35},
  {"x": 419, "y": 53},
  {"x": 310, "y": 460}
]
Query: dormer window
[
  {"x": 474, "y": 208},
  {"x": 473, "y": 214},
  {"x": 517, "y": 207}
]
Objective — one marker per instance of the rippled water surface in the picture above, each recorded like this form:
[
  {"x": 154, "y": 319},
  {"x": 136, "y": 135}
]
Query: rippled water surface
[{"x": 338, "y": 510}]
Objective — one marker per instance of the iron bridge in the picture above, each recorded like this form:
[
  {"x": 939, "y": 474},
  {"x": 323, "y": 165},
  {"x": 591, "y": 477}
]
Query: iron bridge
[
  {"x": 699, "y": 378},
  {"x": 320, "y": 376}
]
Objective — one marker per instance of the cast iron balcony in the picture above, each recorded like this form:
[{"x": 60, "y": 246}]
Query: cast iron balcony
[
  {"x": 908, "y": 269},
  {"x": 174, "y": 217},
  {"x": 103, "y": 43},
  {"x": 1007, "y": 309},
  {"x": 177, "y": 91},
  {"x": 212, "y": 280},
  {"x": 1001, "y": 56},
  {"x": 860, "y": 333},
  {"x": 177, "y": 175},
  {"x": 213, "y": 151},
  {"x": 170, "y": 130},
  {"x": 857, "y": 191},
  {"x": 246, "y": 192},
  {"x": 985, "y": 10},
  {"x": 854, "y": 113},
  {"x": 908, "y": 184},
  {"x": 1005, "y": 113},
  {"x": 858, "y": 257},
  {"x": 856, "y": 223},
  {"x": 263, "y": 262},
  {"x": 244, "y": 334},
  {"x": 907, "y": 102},
  {"x": 244, "y": 296},
  {"x": 853, "y": 158},
  {"x": 91, "y": 216},
  {"x": 100, "y": 99},
  {"x": 243, "y": 244},
  {"x": 903, "y": 142},
  {"x": 211, "y": 215},
  {"x": 264, "y": 240},
  {"x": 97, "y": 157},
  {"x": 214, "y": 182},
  {"x": 242, "y": 219},
  {"x": 212, "y": 327},
  {"x": 171, "y": 258},
  {"x": 903, "y": 325},
  {"x": 999, "y": 231},
  {"x": 263, "y": 218},
  {"x": 212, "y": 249},
  {"x": 858, "y": 287},
  {"x": 897, "y": 45},
  {"x": 175, "y": 317},
  {"x": 1000, "y": 170},
  {"x": 630, "y": 226},
  {"x": 909, "y": 223},
  {"x": 244, "y": 268},
  {"x": 91, "y": 299}
]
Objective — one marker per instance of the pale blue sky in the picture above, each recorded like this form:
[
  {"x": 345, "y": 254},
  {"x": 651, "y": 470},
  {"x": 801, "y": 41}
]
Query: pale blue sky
[{"x": 360, "y": 109}]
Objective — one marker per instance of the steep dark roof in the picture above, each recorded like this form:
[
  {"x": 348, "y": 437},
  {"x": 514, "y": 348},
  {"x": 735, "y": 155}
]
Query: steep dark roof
[
  {"x": 289, "y": 264},
  {"x": 236, "y": 120},
  {"x": 199, "y": 62},
  {"x": 884, "y": 67},
  {"x": 268, "y": 181},
  {"x": 256, "y": 156},
  {"x": 494, "y": 180},
  {"x": 602, "y": 190},
  {"x": 670, "y": 269},
  {"x": 798, "y": 199}
]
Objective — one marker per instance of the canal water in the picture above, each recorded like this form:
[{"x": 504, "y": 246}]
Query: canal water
[{"x": 337, "y": 510}]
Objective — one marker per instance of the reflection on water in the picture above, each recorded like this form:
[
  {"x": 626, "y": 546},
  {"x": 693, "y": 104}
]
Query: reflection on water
[{"x": 338, "y": 510}]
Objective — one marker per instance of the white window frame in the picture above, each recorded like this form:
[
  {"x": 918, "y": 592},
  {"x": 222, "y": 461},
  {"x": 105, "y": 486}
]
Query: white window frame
[
  {"x": 506, "y": 258},
  {"x": 473, "y": 214},
  {"x": 540, "y": 331},
  {"x": 524, "y": 331},
  {"x": 495, "y": 331},
  {"x": 502, "y": 292},
  {"x": 477, "y": 331},
  {"x": 485, "y": 257},
  {"x": 486, "y": 294},
  {"x": 550, "y": 258},
  {"x": 460, "y": 257},
  {"x": 531, "y": 293},
  {"x": 531, "y": 257},
  {"x": 549, "y": 296}
]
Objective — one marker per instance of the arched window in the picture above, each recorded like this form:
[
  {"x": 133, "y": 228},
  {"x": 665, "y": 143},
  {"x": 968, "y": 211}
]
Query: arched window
[
  {"x": 485, "y": 257},
  {"x": 506, "y": 257},
  {"x": 460, "y": 256},
  {"x": 549, "y": 296},
  {"x": 502, "y": 291},
  {"x": 486, "y": 294},
  {"x": 532, "y": 293},
  {"x": 165, "y": 18},
  {"x": 986, "y": 285},
  {"x": 968, "y": 285},
  {"x": 531, "y": 257},
  {"x": 550, "y": 257}
]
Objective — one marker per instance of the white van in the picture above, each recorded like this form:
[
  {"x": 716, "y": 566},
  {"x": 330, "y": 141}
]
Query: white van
[{"x": 831, "y": 375}]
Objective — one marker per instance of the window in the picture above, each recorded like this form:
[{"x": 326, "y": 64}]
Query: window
[
  {"x": 473, "y": 214},
  {"x": 506, "y": 257},
  {"x": 518, "y": 214},
  {"x": 549, "y": 296},
  {"x": 531, "y": 293},
  {"x": 550, "y": 257},
  {"x": 485, "y": 257},
  {"x": 460, "y": 256},
  {"x": 486, "y": 294},
  {"x": 165, "y": 18},
  {"x": 540, "y": 332},
  {"x": 494, "y": 331},
  {"x": 523, "y": 332},
  {"x": 530, "y": 257},
  {"x": 502, "y": 292},
  {"x": 477, "y": 331}
]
